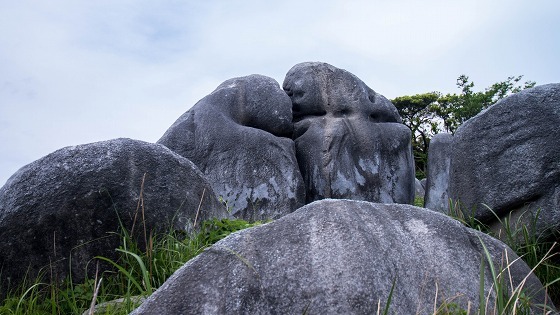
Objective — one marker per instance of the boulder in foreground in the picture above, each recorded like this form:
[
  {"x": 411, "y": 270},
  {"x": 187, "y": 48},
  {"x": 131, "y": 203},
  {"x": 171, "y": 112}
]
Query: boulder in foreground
[{"x": 340, "y": 257}]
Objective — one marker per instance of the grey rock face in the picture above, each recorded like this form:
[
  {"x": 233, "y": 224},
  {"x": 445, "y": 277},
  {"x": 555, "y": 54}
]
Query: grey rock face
[
  {"x": 237, "y": 137},
  {"x": 437, "y": 183},
  {"x": 423, "y": 182},
  {"x": 508, "y": 157},
  {"x": 339, "y": 257},
  {"x": 418, "y": 189},
  {"x": 69, "y": 203},
  {"x": 349, "y": 140}
]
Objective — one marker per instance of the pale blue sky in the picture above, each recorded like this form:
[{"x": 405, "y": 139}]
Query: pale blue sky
[{"x": 74, "y": 72}]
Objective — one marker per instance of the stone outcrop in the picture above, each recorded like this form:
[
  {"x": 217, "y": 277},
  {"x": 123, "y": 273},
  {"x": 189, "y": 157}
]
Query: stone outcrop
[
  {"x": 326, "y": 139},
  {"x": 349, "y": 139},
  {"x": 340, "y": 257},
  {"x": 437, "y": 183},
  {"x": 239, "y": 137},
  {"x": 62, "y": 210},
  {"x": 508, "y": 158}
]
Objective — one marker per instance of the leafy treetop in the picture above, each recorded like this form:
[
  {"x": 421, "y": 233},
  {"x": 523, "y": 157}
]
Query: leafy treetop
[{"x": 430, "y": 113}]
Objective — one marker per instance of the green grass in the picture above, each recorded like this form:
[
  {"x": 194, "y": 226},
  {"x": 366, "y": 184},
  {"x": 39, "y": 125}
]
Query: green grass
[
  {"x": 419, "y": 202},
  {"x": 135, "y": 273},
  {"x": 539, "y": 252}
]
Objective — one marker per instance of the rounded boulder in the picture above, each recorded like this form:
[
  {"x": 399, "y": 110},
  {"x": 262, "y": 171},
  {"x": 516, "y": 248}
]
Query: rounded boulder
[
  {"x": 343, "y": 257},
  {"x": 62, "y": 210}
]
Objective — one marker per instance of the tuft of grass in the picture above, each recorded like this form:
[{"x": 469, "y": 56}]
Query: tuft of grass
[
  {"x": 419, "y": 201},
  {"x": 539, "y": 253},
  {"x": 520, "y": 235},
  {"x": 508, "y": 298},
  {"x": 136, "y": 273},
  {"x": 468, "y": 218}
]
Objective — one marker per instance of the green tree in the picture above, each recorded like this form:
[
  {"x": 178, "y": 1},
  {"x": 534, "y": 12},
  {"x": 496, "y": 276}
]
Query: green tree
[
  {"x": 455, "y": 109},
  {"x": 417, "y": 115},
  {"x": 431, "y": 113}
]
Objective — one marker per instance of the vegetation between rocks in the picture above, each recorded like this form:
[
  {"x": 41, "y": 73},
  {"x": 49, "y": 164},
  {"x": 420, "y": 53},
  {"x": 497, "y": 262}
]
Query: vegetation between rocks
[
  {"x": 136, "y": 274},
  {"x": 540, "y": 252}
]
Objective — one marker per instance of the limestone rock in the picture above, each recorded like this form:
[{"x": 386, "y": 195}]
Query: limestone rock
[
  {"x": 70, "y": 202},
  {"x": 508, "y": 157},
  {"x": 239, "y": 137},
  {"x": 339, "y": 257},
  {"x": 349, "y": 139},
  {"x": 437, "y": 183}
]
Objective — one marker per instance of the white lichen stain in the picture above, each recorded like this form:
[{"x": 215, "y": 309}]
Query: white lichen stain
[
  {"x": 370, "y": 166},
  {"x": 342, "y": 185},
  {"x": 359, "y": 178},
  {"x": 417, "y": 227},
  {"x": 260, "y": 192}
]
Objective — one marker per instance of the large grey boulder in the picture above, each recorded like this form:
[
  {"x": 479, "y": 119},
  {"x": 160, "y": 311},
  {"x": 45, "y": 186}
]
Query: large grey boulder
[
  {"x": 239, "y": 136},
  {"x": 508, "y": 158},
  {"x": 437, "y": 183},
  {"x": 62, "y": 210},
  {"x": 340, "y": 257},
  {"x": 350, "y": 142}
]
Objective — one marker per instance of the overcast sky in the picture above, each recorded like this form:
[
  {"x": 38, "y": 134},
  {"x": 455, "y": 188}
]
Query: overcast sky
[{"x": 74, "y": 72}]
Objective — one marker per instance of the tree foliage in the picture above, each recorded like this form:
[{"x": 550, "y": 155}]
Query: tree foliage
[{"x": 431, "y": 113}]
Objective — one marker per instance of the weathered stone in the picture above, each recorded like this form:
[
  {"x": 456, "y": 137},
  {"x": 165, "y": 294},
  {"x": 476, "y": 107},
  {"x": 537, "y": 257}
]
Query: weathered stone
[
  {"x": 423, "y": 182},
  {"x": 64, "y": 209},
  {"x": 114, "y": 306},
  {"x": 340, "y": 257},
  {"x": 237, "y": 137},
  {"x": 508, "y": 158},
  {"x": 418, "y": 189},
  {"x": 349, "y": 139},
  {"x": 437, "y": 183}
]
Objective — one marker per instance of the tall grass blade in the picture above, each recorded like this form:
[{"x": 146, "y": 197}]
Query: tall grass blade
[
  {"x": 482, "y": 296},
  {"x": 388, "y": 305},
  {"x": 28, "y": 291},
  {"x": 124, "y": 271},
  {"x": 145, "y": 275},
  {"x": 496, "y": 282}
]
